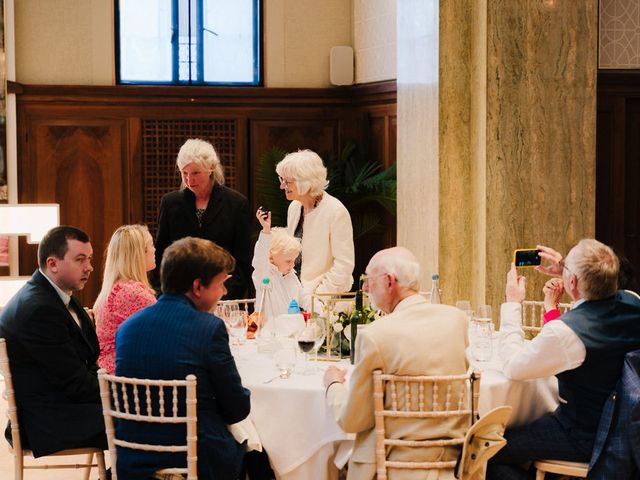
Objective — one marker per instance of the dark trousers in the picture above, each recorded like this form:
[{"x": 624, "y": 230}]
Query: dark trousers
[
  {"x": 256, "y": 465},
  {"x": 543, "y": 438}
]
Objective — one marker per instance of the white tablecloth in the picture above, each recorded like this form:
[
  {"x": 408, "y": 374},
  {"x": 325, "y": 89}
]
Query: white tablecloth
[
  {"x": 291, "y": 417},
  {"x": 530, "y": 399}
]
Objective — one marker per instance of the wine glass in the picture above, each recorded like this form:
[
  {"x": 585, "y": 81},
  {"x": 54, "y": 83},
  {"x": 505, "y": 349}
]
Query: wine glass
[
  {"x": 482, "y": 347},
  {"x": 238, "y": 326},
  {"x": 321, "y": 333},
  {"x": 285, "y": 356},
  {"x": 308, "y": 337}
]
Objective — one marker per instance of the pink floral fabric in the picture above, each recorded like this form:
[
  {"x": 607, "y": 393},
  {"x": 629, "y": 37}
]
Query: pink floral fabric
[{"x": 125, "y": 299}]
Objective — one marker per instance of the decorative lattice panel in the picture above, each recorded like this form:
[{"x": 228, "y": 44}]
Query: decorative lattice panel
[{"x": 161, "y": 140}]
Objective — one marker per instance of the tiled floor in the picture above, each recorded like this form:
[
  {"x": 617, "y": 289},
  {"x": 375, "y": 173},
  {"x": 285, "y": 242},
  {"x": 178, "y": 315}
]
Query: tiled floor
[{"x": 6, "y": 459}]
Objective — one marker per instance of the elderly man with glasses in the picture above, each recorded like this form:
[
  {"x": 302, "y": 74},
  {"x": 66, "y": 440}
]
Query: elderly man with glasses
[
  {"x": 414, "y": 338},
  {"x": 584, "y": 349}
]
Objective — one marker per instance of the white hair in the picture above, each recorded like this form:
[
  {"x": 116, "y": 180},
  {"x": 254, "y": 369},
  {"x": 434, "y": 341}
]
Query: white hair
[
  {"x": 283, "y": 243},
  {"x": 305, "y": 167},
  {"x": 400, "y": 263},
  {"x": 203, "y": 155}
]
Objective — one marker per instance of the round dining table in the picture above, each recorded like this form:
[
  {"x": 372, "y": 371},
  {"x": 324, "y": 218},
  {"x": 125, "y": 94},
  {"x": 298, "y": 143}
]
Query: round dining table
[
  {"x": 291, "y": 418},
  {"x": 529, "y": 399}
]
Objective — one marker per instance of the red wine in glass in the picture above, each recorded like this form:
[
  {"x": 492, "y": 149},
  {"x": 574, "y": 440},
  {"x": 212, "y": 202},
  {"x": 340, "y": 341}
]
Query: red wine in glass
[{"x": 306, "y": 345}]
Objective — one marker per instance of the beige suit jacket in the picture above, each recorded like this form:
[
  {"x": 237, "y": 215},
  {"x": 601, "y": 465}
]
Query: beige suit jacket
[{"x": 418, "y": 338}]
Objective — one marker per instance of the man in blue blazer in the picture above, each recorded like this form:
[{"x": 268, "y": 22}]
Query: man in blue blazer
[
  {"x": 53, "y": 349},
  {"x": 174, "y": 338}
]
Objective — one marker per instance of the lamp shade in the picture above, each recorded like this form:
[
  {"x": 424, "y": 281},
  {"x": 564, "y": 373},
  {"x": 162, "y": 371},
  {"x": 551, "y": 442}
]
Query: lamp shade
[
  {"x": 9, "y": 286},
  {"x": 30, "y": 220}
]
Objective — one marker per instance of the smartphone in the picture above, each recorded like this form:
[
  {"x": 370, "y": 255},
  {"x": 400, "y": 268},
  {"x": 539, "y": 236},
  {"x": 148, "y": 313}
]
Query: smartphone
[{"x": 526, "y": 257}]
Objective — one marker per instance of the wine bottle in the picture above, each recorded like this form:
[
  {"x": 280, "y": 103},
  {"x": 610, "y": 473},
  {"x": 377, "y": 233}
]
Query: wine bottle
[{"x": 356, "y": 318}]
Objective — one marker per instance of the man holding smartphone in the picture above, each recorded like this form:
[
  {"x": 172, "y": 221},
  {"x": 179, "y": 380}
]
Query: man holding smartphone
[{"x": 584, "y": 348}]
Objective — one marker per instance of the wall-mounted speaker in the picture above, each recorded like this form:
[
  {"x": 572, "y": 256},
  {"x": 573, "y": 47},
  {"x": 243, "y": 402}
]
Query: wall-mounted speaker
[{"x": 341, "y": 66}]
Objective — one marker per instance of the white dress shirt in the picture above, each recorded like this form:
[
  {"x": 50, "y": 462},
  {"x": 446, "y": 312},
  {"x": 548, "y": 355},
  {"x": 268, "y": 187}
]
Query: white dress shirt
[
  {"x": 555, "y": 349},
  {"x": 65, "y": 297}
]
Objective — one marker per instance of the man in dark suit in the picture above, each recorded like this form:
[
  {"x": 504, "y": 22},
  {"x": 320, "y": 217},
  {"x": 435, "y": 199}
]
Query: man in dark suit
[
  {"x": 178, "y": 336},
  {"x": 53, "y": 349},
  {"x": 585, "y": 349}
]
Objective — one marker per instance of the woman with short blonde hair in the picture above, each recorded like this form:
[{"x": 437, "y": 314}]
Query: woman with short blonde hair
[
  {"x": 320, "y": 221},
  {"x": 125, "y": 286}
]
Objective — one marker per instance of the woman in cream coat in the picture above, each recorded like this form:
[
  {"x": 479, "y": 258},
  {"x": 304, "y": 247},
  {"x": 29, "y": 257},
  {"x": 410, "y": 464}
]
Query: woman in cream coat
[{"x": 321, "y": 222}]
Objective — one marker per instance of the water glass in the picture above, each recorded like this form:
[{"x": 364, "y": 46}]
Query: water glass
[
  {"x": 464, "y": 305},
  {"x": 484, "y": 311},
  {"x": 285, "y": 356},
  {"x": 238, "y": 326},
  {"x": 483, "y": 334}
]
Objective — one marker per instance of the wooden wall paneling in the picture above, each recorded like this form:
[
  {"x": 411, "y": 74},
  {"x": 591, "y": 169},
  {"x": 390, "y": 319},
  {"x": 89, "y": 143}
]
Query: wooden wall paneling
[
  {"x": 128, "y": 138},
  {"x": 610, "y": 185},
  {"x": 631, "y": 176},
  {"x": 82, "y": 166},
  {"x": 618, "y": 163},
  {"x": 292, "y": 134},
  {"x": 135, "y": 170},
  {"x": 161, "y": 141}
]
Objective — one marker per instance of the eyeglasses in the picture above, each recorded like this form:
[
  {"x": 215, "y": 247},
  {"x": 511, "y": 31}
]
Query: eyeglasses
[
  {"x": 284, "y": 182},
  {"x": 564, "y": 266},
  {"x": 367, "y": 278}
]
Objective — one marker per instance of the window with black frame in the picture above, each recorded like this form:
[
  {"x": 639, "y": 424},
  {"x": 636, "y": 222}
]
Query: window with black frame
[{"x": 188, "y": 42}]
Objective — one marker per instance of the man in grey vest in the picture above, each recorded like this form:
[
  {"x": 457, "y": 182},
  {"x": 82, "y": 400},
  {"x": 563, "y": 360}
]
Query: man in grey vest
[{"x": 584, "y": 349}]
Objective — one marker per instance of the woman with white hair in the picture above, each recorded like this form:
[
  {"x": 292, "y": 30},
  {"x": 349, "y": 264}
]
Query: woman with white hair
[
  {"x": 321, "y": 222},
  {"x": 205, "y": 208}
]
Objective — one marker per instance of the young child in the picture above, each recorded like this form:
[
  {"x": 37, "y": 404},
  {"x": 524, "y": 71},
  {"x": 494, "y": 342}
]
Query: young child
[{"x": 274, "y": 256}]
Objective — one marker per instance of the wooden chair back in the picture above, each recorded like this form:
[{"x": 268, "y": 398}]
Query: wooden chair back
[
  {"x": 483, "y": 440},
  {"x": 420, "y": 397},
  {"x": 144, "y": 400},
  {"x": 560, "y": 467},
  {"x": 19, "y": 453},
  {"x": 533, "y": 316}
]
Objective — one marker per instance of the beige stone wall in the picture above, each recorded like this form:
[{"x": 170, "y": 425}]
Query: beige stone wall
[
  {"x": 72, "y": 41},
  {"x": 513, "y": 161},
  {"x": 541, "y": 117},
  {"x": 65, "y": 42},
  {"x": 374, "y": 40},
  {"x": 418, "y": 123},
  {"x": 298, "y": 37}
]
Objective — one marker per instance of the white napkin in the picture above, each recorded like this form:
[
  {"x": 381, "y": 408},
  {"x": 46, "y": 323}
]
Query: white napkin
[{"x": 245, "y": 430}]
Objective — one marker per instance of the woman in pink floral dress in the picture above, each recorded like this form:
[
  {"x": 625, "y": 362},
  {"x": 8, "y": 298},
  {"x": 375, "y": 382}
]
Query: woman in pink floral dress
[{"x": 125, "y": 287}]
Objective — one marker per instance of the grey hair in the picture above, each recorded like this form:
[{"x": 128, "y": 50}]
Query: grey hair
[
  {"x": 305, "y": 167},
  {"x": 402, "y": 264},
  {"x": 203, "y": 155},
  {"x": 596, "y": 266}
]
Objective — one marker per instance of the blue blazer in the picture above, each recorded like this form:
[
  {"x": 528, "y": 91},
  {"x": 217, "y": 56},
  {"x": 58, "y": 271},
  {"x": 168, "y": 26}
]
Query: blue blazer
[
  {"x": 616, "y": 452},
  {"x": 170, "y": 340}
]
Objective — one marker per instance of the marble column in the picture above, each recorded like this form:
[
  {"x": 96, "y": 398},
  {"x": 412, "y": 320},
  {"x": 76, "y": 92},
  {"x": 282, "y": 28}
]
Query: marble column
[{"x": 497, "y": 150}]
